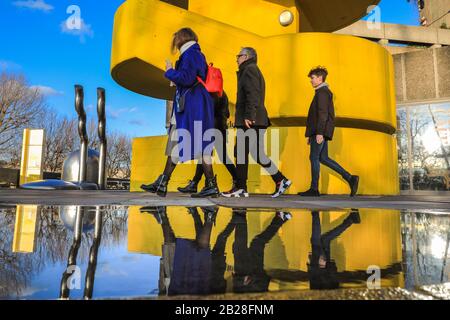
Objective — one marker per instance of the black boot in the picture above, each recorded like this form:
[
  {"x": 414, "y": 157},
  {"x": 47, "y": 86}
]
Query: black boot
[
  {"x": 210, "y": 190},
  {"x": 158, "y": 212},
  {"x": 159, "y": 186},
  {"x": 353, "y": 182},
  {"x": 210, "y": 214},
  {"x": 190, "y": 188}
]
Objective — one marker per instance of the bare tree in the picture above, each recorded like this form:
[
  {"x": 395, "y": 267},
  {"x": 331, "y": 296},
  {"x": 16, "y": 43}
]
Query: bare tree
[{"x": 19, "y": 107}]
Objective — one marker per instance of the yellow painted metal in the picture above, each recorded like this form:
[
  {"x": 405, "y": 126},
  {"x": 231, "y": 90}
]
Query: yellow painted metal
[
  {"x": 375, "y": 162},
  {"x": 361, "y": 77},
  {"x": 25, "y": 229},
  {"x": 361, "y": 72},
  {"x": 376, "y": 241}
]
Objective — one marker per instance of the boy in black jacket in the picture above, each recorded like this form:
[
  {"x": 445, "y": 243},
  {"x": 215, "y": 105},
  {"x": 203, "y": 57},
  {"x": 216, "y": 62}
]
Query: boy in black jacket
[{"x": 320, "y": 130}]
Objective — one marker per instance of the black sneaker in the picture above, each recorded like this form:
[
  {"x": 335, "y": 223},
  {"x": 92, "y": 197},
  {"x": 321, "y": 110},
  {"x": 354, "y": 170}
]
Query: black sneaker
[
  {"x": 354, "y": 183},
  {"x": 239, "y": 193},
  {"x": 310, "y": 193},
  {"x": 355, "y": 217},
  {"x": 281, "y": 187}
]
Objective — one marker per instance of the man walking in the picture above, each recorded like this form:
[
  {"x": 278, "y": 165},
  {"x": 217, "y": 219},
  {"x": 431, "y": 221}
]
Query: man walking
[
  {"x": 252, "y": 121},
  {"x": 320, "y": 130}
]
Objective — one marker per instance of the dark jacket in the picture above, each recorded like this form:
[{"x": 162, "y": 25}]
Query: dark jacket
[
  {"x": 251, "y": 95},
  {"x": 221, "y": 111},
  {"x": 321, "y": 114}
]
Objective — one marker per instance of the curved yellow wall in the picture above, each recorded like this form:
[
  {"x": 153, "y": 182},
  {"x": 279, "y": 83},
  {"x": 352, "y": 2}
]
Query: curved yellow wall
[
  {"x": 361, "y": 78},
  {"x": 376, "y": 241},
  {"x": 370, "y": 154}
]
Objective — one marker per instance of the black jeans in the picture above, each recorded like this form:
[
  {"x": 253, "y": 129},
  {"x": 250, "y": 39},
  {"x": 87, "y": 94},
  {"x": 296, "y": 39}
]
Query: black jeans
[
  {"x": 319, "y": 155},
  {"x": 244, "y": 146},
  {"x": 320, "y": 243}
]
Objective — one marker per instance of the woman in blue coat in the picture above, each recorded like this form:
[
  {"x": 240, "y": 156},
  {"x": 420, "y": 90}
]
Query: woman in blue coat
[{"x": 191, "y": 119}]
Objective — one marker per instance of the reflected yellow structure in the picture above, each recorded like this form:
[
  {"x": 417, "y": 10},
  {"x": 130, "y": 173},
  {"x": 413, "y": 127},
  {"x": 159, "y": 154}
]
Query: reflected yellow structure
[
  {"x": 376, "y": 241},
  {"x": 361, "y": 77},
  {"x": 25, "y": 229},
  {"x": 32, "y": 155}
]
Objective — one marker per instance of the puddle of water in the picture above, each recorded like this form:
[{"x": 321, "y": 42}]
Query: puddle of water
[{"x": 115, "y": 252}]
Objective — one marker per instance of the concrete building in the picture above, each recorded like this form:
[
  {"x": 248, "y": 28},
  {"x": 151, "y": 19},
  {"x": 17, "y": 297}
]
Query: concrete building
[
  {"x": 422, "y": 72},
  {"x": 435, "y": 13}
]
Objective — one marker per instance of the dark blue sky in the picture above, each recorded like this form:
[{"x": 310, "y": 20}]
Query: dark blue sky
[{"x": 33, "y": 42}]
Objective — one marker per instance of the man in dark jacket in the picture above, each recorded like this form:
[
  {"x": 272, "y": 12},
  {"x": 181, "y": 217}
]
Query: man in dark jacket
[
  {"x": 320, "y": 130},
  {"x": 251, "y": 120}
]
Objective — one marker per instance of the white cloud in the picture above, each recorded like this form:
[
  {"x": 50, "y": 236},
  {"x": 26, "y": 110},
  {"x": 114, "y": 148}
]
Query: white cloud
[
  {"x": 34, "y": 5},
  {"x": 47, "y": 91},
  {"x": 138, "y": 122},
  {"x": 8, "y": 65},
  {"x": 84, "y": 31},
  {"x": 115, "y": 114}
]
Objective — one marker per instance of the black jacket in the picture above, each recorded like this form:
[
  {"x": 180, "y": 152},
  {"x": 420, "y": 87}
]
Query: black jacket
[
  {"x": 321, "y": 114},
  {"x": 251, "y": 95}
]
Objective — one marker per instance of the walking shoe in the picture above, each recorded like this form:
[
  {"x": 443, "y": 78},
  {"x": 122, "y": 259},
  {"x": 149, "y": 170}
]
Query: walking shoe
[
  {"x": 238, "y": 193},
  {"x": 354, "y": 183},
  {"x": 210, "y": 190},
  {"x": 354, "y": 217},
  {"x": 158, "y": 212},
  {"x": 190, "y": 188},
  {"x": 309, "y": 193},
  {"x": 281, "y": 187},
  {"x": 210, "y": 214},
  {"x": 159, "y": 186},
  {"x": 285, "y": 216}
]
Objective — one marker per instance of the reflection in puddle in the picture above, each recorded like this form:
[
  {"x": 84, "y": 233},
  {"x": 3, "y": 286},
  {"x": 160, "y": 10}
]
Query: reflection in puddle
[{"x": 97, "y": 252}]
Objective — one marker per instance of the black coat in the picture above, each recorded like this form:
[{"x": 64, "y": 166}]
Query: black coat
[
  {"x": 251, "y": 95},
  {"x": 321, "y": 114}
]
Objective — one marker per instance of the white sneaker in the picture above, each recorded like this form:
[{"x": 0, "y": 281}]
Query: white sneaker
[
  {"x": 239, "y": 193},
  {"x": 285, "y": 216},
  {"x": 282, "y": 187}
]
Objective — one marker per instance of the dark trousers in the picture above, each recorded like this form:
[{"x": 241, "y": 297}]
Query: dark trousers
[
  {"x": 319, "y": 155},
  {"x": 320, "y": 243},
  {"x": 256, "y": 149},
  {"x": 223, "y": 156}
]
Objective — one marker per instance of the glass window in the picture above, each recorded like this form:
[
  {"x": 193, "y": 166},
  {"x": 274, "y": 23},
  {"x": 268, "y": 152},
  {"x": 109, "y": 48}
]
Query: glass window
[{"x": 429, "y": 139}]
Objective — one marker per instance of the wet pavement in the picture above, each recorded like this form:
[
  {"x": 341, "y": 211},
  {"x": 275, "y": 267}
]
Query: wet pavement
[{"x": 213, "y": 252}]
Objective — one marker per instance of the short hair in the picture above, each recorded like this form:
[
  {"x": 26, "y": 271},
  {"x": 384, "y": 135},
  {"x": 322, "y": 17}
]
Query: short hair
[
  {"x": 183, "y": 36},
  {"x": 251, "y": 52},
  {"x": 319, "y": 71}
]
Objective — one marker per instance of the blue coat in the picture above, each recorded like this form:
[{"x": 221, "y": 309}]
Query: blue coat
[{"x": 199, "y": 105}]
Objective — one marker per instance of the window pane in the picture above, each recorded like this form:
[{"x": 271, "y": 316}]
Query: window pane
[
  {"x": 430, "y": 141},
  {"x": 402, "y": 146}
]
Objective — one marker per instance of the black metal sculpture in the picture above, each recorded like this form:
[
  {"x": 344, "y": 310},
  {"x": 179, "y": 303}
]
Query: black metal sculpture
[
  {"x": 79, "y": 107},
  {"x": 102, "y": 136}
]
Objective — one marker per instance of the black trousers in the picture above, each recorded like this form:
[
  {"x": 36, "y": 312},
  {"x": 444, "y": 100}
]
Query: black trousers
[
  {"x": 251, "y": 141},
  {"x": 221, "y": 150}
]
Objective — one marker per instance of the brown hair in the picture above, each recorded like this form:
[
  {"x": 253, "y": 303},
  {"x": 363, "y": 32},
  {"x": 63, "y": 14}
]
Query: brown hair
[
  {"x": 319, "y": 71},
  {"x": 181, "y": 37}
]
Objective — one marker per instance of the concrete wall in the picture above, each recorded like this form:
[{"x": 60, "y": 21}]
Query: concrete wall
[
  {"x": 398, "y": 33},
  {"x": 422, "y": 75},
  {"x": 433, "y": 10}
]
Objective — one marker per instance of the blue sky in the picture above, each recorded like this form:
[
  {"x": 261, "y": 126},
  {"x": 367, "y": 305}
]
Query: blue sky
[{"x": 34, "y": 43}]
